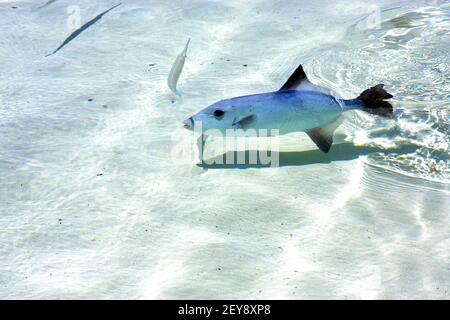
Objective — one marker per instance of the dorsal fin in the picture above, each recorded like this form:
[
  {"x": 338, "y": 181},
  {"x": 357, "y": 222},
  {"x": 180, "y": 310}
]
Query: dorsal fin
[
  {"x": 323, "y": 136},
  {"x": 299, "y": 81},
  {"x": 295, "y": 79}
]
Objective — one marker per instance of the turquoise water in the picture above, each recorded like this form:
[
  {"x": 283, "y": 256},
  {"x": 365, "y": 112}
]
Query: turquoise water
[{"x": 104, "y": 198}]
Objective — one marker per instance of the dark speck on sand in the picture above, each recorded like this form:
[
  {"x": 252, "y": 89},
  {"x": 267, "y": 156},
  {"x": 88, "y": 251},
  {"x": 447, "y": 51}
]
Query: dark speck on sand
[
  {"x": 244, "y": 65},
  {"x": 90, "y": 99},
  {"x": 99, "y": 174}
]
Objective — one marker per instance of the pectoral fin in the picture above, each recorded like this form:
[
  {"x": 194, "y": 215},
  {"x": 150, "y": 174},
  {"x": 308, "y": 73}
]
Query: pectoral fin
[
  {"x": 244, "y": 122},
  {"x": 323, "y": 136}
]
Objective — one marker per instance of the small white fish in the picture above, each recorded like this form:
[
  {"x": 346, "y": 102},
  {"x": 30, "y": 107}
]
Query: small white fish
[{"x": 176, "y": 70}]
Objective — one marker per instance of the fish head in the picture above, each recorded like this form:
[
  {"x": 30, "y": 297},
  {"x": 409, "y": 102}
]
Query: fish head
[{"x": 221, "y": 116}]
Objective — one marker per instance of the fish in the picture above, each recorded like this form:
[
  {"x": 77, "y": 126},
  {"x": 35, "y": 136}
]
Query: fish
[
  {"x": 298, "y": 106},
  {"x": 176, "y": 70},
  {"x": 46, "y": 4},
  {"x": 77, "y": 32}
]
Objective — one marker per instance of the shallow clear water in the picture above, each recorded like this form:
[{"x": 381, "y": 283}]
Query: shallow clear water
[{"x": 103, "y": 198}]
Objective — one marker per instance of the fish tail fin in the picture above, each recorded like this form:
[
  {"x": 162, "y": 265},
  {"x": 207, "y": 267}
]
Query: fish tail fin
[{"x": 373, "y": 100}]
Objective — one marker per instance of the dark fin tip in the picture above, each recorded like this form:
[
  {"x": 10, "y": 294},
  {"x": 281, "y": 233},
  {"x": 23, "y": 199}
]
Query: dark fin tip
[
  {"x": 322, "y": 141},
  {"x": 373, "y": 100},
  {"x": 295, "y": 79}
]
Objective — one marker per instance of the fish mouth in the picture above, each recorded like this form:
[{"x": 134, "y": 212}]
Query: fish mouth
[{"x": 188, "y": 123}]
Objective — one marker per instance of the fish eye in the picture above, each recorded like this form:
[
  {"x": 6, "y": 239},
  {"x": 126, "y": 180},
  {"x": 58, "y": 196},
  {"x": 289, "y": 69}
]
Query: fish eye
[{"x": 218, "y": 113}]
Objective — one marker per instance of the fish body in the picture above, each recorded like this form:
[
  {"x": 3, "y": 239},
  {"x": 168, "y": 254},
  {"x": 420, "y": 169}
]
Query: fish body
[
  {"x": 46, "y": 4},
  {"x": 299, "y": 106},
  {"x": 77, "y": 32},
  {"x": 176, "y": 70},
  {"x": 286, "y": 111}
]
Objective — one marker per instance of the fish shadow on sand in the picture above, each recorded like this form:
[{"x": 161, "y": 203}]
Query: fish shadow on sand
[{"x": 339, "y": 152}]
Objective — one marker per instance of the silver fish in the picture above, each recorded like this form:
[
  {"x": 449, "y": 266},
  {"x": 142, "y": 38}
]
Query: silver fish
[
  {"x": 298, "y": 106},
  {"x": 176, "y": 70}
]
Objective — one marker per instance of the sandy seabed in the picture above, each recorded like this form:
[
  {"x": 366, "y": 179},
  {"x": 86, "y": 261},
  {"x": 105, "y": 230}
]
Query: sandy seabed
[{"x": 100, "y": 194}]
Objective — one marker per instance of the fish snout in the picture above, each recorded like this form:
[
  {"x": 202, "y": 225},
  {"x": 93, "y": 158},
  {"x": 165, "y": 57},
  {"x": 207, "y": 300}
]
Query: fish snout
[{"x": 188, "y": 123}]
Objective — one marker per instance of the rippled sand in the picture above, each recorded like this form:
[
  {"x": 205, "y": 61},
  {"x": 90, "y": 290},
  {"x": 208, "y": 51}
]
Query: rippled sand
[{"x": 103, "y": 198}]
